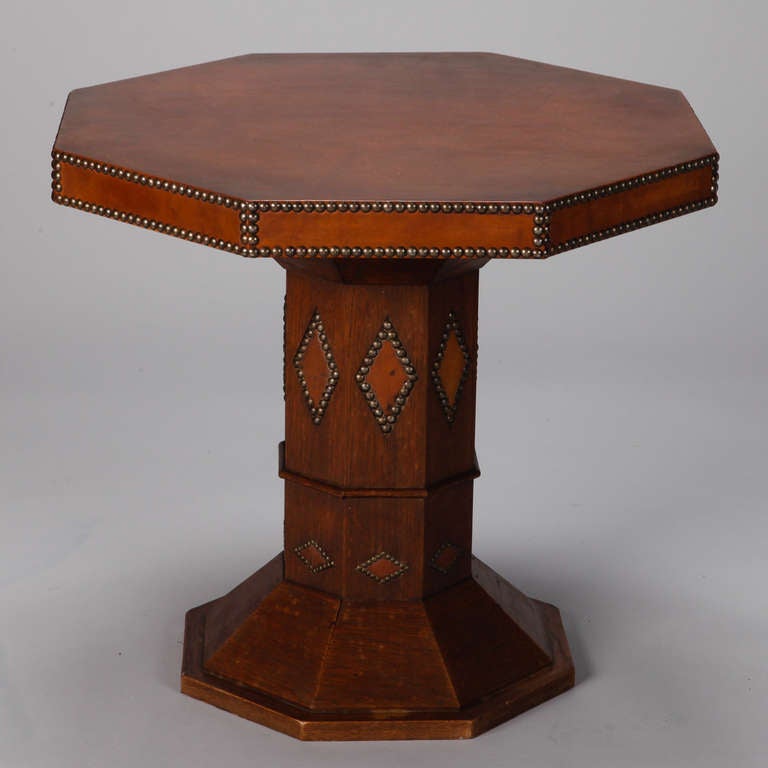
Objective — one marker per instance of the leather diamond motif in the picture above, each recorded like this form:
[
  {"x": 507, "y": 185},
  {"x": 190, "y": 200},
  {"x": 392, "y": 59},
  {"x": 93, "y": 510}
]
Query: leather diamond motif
[
  {"x": 451, "y": 367},
  {"x": 445, "y": 557},
  {"x": 314, "y": 557},
  {"x": 382, "y": 567},
  {"x": 316, "y": 368},
  {"x": 386, "y": 376}
]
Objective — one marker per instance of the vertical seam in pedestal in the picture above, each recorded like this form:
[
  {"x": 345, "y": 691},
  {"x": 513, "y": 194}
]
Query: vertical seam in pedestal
[
  {"x": 328, "y": 643},
  {"x": 443, "y": 662}
]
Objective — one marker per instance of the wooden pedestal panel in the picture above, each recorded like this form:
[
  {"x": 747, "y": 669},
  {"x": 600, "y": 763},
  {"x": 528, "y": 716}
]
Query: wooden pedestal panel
[{"x": 319, "y": 667}]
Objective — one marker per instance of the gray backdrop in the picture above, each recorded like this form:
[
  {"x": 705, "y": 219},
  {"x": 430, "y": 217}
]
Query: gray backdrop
[{"x": 621, "y": 416}]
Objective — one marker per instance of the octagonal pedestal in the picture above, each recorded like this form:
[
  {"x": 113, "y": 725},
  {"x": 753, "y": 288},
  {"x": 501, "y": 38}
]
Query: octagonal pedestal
[{"x": 320, "y": 668}]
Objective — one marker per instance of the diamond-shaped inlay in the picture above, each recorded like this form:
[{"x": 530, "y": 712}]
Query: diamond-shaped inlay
[
  {"x": 313, "y": 556},
  {"x": 445, "y": 557},
  {"x": 451, "y": 367},
  {"x": 386, "y": 376},
  {"x": 382, "y": 567},
  {"x": 316, "y": 368}
]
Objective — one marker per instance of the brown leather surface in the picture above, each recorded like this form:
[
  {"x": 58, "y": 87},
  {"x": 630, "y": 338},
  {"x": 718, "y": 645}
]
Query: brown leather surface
[
  {"x": 271, "y": 130},
  {"x": 383, "y": 126},
  {"x": 158, "y": 204},
  {"x": 379, "y": 229},
  {"x": 602, "y": 213}
]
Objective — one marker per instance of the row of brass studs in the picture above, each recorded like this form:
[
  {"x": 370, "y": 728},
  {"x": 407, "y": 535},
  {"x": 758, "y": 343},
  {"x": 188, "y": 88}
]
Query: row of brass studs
[
  {"x": 249, "y": 226},
  {"x": 386, "y": 420},
  {"x": 249, "y": 215},
  {"x": 153, "y": 224},
  {"x": 316, "y": 327},
  {"x": 448, "y": 409},
  {"x": 401, "y": 252},
  {"x": 385, "y": 206},
  {"x": 308, "y": 206},
  {"x": 637, "y": 181},
  {"x": 628, "y": 226},
  {"x": 147, "y": 181},
  {"x": 285, "y": 337}
]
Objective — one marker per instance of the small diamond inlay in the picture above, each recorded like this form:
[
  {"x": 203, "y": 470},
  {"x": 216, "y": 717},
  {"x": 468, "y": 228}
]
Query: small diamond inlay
[
  {"x": 451, "y": 367},
  {"x": 316, "y": 368},
  {"x": 382, "y": 567},
  {"x": 386, "y": 376},
  {"x": 445, "y": 557},
  {"x": 314, "y": 557}
]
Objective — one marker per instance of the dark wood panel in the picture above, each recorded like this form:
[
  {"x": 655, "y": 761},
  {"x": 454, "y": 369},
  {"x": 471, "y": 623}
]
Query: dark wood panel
[
  {"x": 348, "y": 448},
  {"x": 447, "y": 536},
  {"x": 487, "y": 649},
  {"x": 280, "y": 647},
  {"x": 384, "y": 656},
  {"x": 314, "y": 516},
  {"x": 394, "y": 527},
  {"x": 451, "y": 445},
  {"x": 388, "y": 658}
]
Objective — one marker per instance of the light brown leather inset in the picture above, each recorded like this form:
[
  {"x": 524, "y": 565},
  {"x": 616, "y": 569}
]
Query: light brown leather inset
[
  {"x": 624, "y": 207},
  {"x": 376, "y": 229},
  {"x": 149, "y": 202}
]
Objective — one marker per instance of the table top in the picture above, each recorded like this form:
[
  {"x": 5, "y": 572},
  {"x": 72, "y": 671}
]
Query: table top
[{"x": 446, "y": 155}]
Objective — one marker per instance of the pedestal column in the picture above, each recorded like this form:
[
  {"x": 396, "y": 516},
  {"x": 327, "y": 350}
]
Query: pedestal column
[{"x": 376, "y": 621}]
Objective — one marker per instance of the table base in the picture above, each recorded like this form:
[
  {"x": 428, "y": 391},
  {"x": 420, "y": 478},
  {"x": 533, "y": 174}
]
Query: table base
[{"x": 315, "y": 667}]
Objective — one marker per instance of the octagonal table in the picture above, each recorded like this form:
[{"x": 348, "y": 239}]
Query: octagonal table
[{"x": 381, "y": 183}]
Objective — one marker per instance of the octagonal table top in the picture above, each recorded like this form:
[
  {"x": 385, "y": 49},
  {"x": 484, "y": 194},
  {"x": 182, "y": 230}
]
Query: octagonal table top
[{"x": 388, "y": 155}]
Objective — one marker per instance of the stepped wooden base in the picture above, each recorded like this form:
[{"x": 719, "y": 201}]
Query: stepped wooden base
[{"x": 316, "y": 667}]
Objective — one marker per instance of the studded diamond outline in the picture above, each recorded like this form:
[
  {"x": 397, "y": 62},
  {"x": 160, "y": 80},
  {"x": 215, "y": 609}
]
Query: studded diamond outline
[
  {"x": 439, "y": 551},
  {"x": 363, "y": 567},
  {"x": 298, "y": 550},
  {"x": 386, "y": 421},
  {"x": 452, "y": 324},
  {"x": 317, "y": 411}
]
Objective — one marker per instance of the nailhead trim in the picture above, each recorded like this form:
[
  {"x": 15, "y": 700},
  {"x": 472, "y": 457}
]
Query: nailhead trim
[
  {"x": 315, "y": 326},
  {"x": 400, "y": 252},
  {"x": 299, "y": 550},
  {"x": 285, "y": 306},
  {"x": 363, "y": 567},
  {"x": 452, "y": 325},
  {"x": 628, "y": 226},
  {"x": 319, "y": 206},
  {"x": 386, "y": 420},
  {"x": 249, "y": 215},
  {"x": 637, "y": 181}
]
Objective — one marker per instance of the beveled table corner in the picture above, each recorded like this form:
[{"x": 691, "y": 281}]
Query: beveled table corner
[{"x": 381, "y": 183}]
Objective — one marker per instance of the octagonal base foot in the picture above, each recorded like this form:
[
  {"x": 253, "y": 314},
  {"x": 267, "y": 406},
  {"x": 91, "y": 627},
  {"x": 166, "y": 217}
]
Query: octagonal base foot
[{"x": 305, "y": 663}]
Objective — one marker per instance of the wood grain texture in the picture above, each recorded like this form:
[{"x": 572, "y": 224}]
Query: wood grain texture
[
  {"x": 382, "y": 183},
  {"x": 363, "y": 127},
  {"x": 273, "y": 133},
  {"x": 389, "y": 670},
  {"x": 280, "y": 646},
  {"x": 348, "y": 449},
  {"x": 605, "y": 212},
  {"x": 162, "y": 205},
  {"x": 428, "y": 229}
]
